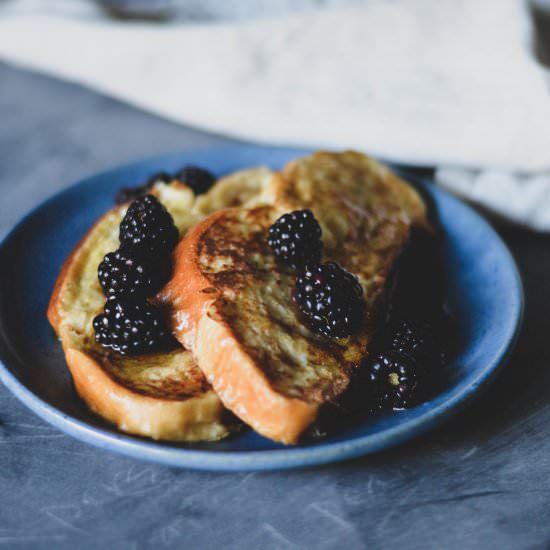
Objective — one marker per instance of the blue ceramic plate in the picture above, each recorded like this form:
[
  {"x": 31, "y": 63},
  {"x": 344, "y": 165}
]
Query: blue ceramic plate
[{"x": 484, "y": 293}]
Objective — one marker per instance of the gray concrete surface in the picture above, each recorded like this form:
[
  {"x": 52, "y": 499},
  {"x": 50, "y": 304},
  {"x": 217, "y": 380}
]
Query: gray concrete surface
[{"x": 480, "y": 481}]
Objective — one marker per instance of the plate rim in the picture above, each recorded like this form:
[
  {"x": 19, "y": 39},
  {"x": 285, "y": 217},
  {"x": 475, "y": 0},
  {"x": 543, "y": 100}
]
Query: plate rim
[{"x": 262, "y": 460}]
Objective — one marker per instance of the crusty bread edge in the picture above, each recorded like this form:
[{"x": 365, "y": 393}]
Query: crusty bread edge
[
  {"x": 243, "y": 387},
  {"x": 192, "y": 419},
  {"x": 234, "y": 375},
  {"x": 54, "y": 306}
]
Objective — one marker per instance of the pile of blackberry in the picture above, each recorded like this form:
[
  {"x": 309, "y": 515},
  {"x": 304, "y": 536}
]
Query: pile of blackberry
[
  {"x": 329, "y": 298},
  {"x": 129, "y": 324}
]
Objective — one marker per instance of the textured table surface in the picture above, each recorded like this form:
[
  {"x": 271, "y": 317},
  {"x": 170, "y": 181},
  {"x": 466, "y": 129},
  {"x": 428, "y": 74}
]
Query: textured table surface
[{"x": 481, "y": 480}]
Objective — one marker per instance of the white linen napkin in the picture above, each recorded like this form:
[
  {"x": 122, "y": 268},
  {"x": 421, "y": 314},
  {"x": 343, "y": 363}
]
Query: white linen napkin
[{"x": 450, "y": 83}]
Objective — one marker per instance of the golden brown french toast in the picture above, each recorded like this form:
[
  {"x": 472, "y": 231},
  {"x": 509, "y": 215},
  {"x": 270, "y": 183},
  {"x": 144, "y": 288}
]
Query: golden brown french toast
[
  {"x": 160, "y": 395},
  {"x": 231, "y": 299},
  {"x": 366, "y": 212}
]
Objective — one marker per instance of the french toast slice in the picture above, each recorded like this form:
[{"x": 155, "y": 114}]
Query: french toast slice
[
  {"x": 162, "y": 395},
  {"x": 231, "y": 299},
  {"x": 366, "y": 212}
]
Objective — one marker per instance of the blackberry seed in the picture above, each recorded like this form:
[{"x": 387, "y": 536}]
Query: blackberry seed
[
  {"x": 394, "y": 380},
  {"x": 331, "y": 299},
  {"x": 131, "y": 327},
  {"x": 148, "y": 228},
  {"x": 295, "y": 239},
  {"x": 122, "y": 274}
]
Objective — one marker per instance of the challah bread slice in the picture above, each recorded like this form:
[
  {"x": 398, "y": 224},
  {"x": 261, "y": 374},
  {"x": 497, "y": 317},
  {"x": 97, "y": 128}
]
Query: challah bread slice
[
  {"x": 366, "y": 212},
  {"x": 231, "y": 299},
  {"x": 162, "y": 395}
]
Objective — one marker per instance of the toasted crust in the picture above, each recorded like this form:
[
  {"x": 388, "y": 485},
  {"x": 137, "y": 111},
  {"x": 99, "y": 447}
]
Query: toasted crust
[
  {"x": 231, "y": 301},
  {"x": 244, "y": 389},
  {"x": 54, "y": 306},
  {"x": 189, "y": 293},
  {"x": 192, "y": 419}
]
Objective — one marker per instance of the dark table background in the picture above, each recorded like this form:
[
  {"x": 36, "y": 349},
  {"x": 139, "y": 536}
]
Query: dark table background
[{"x": 480, "y": 481}]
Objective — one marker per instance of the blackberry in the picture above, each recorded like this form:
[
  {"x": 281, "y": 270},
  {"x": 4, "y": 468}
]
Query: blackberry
[
  {"x": 414, "y": 338},
  {"x": 295, "y": 238},
  {"x": 127, "y": 194},
  {"x": 131, "y": 327},
  {"x": 394, "y": 380},
  {"x": 148, "y": 228},
  {"x": 121, "y": 274},
  {"x": 199, "y": 179},
  {"x": 330, "y": 298}
]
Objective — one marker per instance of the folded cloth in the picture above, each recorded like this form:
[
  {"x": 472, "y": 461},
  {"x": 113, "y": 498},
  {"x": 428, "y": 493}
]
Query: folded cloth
[
  {"x": 523, "y": 199},
  {"x": 447, "y": 83}
]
